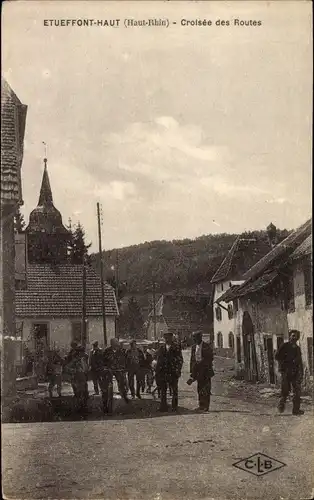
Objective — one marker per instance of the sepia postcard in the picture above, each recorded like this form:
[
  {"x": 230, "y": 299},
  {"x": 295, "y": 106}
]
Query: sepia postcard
[{"x": 156, "y": 297}]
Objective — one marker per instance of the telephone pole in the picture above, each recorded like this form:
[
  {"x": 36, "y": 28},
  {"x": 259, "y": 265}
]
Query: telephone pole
[
  {"x": 117, "y": 291},
  {"x": 84, "y": 329},
  {"x": 102, "y": 276},
  {"x": 154, "y": 308}
]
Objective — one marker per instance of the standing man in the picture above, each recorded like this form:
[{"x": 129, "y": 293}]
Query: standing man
[
  {"x": 201, "y": 369},
  {"x": 54, "y": 371},
  {"x": 77, "y": 367},
  {"x": 96, "y": 363},
  {"x": 115, "y": 361},
  {"x": 291, "y": 367},
  {"x": 135, "y": 365},
  {"x": 168, "y": 371}
]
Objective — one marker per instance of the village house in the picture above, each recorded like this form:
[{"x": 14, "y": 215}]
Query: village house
[
  {"x": 13, "y": 119},
  {"x": 274, "y": 298},
  {"x": 244, "y": 253},
  {"x": 54, "y": 296},
  {"x": 180, "y": 315}
]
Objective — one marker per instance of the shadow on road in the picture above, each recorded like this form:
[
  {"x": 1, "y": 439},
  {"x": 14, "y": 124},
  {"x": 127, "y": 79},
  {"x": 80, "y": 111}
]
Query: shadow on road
[{"x": 63, "y": 409}]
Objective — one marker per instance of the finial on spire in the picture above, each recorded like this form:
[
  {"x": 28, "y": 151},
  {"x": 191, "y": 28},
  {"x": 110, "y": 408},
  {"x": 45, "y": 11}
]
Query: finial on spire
[{"x": 45, "y": 157}]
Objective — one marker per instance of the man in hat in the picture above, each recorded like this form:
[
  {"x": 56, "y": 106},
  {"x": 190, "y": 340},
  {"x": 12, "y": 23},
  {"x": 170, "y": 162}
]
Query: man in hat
[
  {"x": 168, "y": 371},
  {"x": 291, "y": 368},
  {"x": 201, "y": 369},
  {"x": 96, "y": 365}
]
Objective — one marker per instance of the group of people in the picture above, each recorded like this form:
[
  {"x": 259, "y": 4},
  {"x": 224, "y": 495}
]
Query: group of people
[{"x": 135, "y": 369}]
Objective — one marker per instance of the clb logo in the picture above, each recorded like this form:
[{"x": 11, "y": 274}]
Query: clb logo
[{"x": 259, "y": 464}]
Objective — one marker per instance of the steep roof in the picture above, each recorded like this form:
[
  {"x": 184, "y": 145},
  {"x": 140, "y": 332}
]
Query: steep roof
[
  {"x": 13, "y": 119},
  {"x": 45, "y": 215},
  {"x": 248, "y": 287},
  {"x": 304, "y": 249},
  {"x": 45, "y": 196},
  {"x": 242, "y": 255},
  {"x": 266, "y": 271},
  {"x": 57, "y": 292},
  {"x": 281, "y": 251}
]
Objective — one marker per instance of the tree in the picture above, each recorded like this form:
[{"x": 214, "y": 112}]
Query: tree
[
  {"x": 19, "y": 221},
  {"x": 135, "y": 319},
  {"x": 78, "y": 249}
]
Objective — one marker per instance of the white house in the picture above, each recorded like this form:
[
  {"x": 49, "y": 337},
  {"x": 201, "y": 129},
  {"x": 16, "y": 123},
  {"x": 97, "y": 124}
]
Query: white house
[
  {"x": 241, "y": 256},
  {"x": 300, "y": 317}
]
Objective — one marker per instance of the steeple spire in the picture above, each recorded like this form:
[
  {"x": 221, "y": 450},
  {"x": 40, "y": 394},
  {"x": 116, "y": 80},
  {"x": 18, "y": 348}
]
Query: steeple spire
[{"x": 45, "y": 197}]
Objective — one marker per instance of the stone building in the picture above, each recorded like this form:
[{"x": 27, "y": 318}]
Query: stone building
[
  {"x": 13, "y": 120},
  {"x": 271, "y": 300}
]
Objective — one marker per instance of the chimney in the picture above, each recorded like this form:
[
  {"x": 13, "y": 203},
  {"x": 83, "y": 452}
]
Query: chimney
[{"x": 272, "y": 234}]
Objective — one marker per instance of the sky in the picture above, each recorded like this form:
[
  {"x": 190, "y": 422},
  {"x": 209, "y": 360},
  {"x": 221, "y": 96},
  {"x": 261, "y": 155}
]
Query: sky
[{"x": 177, "y": 132}]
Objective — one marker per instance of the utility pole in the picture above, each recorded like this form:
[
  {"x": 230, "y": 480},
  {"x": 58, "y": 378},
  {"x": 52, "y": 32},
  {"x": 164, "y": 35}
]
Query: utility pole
[
  {"x": 102, "y": 276},
  {"x": 117, "y": 290},
  {"x": 154, "y": 308},
  {"x": 84, "y": 336}
]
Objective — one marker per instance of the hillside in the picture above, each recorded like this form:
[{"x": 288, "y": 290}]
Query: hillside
[{"x": 178, "y": 265}]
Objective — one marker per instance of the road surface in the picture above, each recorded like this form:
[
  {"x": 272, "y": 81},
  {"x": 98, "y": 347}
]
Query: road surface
[{"x": 146, "y": 455}]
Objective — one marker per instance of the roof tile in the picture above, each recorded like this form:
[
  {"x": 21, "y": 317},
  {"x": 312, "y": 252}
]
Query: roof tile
[{"x": 58, "y": 292}]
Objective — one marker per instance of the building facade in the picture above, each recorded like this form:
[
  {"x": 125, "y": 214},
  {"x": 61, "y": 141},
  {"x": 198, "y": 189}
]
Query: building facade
[
  {"x": 244, "y": 253},
  {"x": 274, "y": 298},
  {"x": 13, "y": 119}
]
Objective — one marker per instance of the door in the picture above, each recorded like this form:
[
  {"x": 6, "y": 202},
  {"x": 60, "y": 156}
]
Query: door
[
  {"x": 249, "y": 353},
  {"x": 41, "y": 347},
  {"x": 270, "y": 358}
]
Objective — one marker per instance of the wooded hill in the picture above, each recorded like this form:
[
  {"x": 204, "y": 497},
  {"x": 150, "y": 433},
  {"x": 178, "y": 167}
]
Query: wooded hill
[{"x": 175, "y": 266}]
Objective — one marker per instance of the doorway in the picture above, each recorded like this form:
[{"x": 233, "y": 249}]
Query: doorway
[
  {"x": 249, "y": 353},
  {"x": 270, "y": 358}
]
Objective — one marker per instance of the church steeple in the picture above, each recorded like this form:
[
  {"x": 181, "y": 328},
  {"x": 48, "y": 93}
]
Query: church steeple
[
  {"x": 45, "y": 197},
  {"x": 46, "y": 234}
]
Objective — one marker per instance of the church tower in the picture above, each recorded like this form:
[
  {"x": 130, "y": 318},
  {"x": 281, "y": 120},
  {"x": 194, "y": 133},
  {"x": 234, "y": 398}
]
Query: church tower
[{"x": 47, "y": 238}]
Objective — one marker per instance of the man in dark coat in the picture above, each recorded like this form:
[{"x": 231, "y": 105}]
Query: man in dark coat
[
  {"x": 291, "y": 368},
  {"x": 168, "y": 371},
  {"x": 201, "y": 369}
]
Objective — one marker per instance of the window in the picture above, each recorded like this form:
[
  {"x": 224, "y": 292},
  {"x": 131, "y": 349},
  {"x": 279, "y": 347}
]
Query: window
[
  {"x": 220, "y": 342},
  {"x": 76, "y": 331},
  {"x": 238, "y": 349},
  {"x": 307, "y": 271},
  {"x": 231, "y": 340},
  {"x": 218, "y": 313},
  {"x": 310, "y": 353},
  {"x": 230, "y": 311},
  {"x": 221, "y": 287}
]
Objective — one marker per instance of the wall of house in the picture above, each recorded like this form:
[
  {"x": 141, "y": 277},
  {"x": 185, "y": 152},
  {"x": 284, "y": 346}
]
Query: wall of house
[
  {"x": 7, "y": 298},
  {"x": 302, "y": 319},
  {"x": 225, "y": 325},
  {"x": 269, "y": 321},
  {"x": 60, "y": 331}
]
